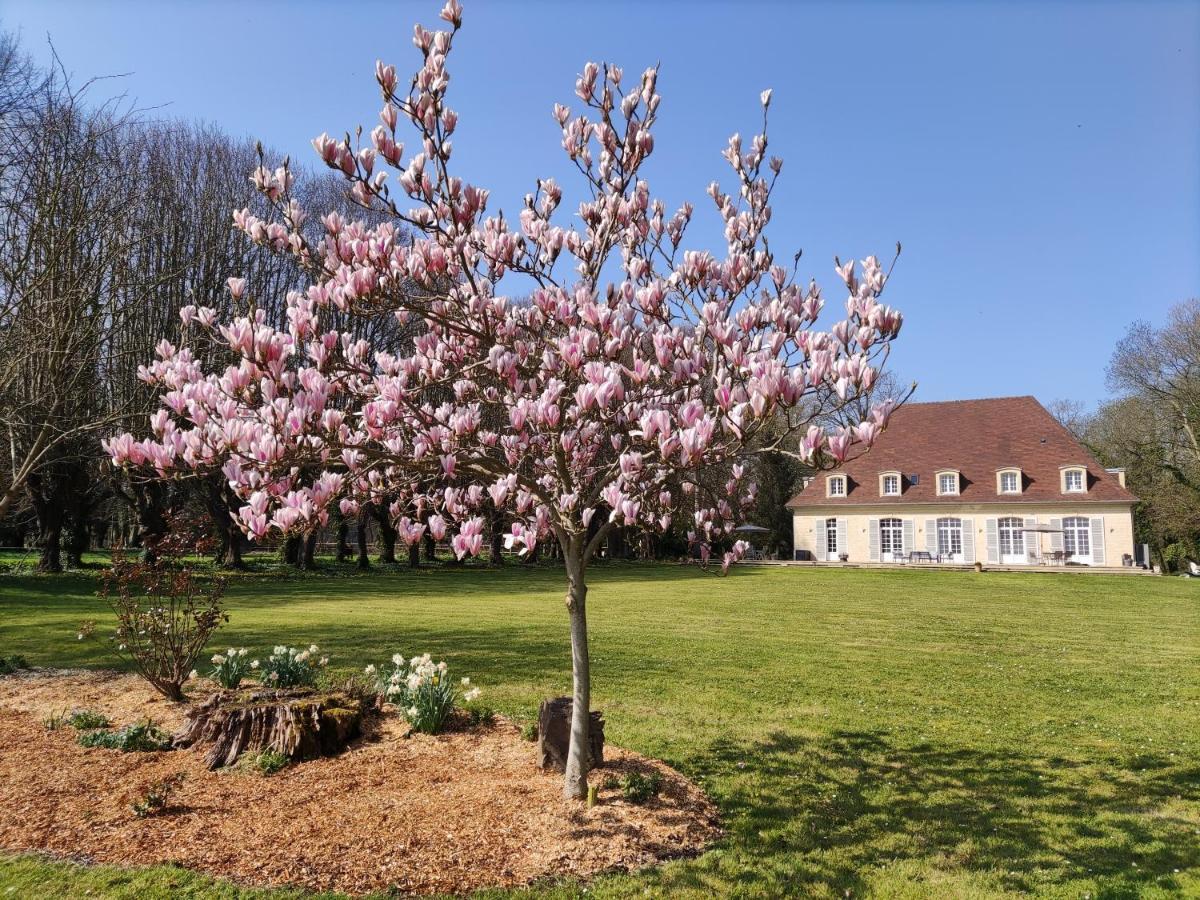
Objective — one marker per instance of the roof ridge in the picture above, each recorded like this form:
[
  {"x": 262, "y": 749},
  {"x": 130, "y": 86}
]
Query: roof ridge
[{"x": 972, "y": 400}]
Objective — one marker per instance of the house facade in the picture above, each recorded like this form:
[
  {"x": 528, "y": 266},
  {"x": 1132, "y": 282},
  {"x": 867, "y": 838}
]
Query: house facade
[{"x": 997, "y": 481}]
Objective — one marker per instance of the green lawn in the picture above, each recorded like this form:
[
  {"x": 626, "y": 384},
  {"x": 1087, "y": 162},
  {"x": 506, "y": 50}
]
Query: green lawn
[{"x": 884, "y": 733}]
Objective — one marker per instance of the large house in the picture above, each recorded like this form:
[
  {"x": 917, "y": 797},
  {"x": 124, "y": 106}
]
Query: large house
[{"x": 997, "y": 481}]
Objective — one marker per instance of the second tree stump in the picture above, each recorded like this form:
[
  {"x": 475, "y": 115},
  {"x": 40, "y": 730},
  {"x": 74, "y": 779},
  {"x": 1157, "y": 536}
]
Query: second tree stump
[{"x": 554, "y": 735}]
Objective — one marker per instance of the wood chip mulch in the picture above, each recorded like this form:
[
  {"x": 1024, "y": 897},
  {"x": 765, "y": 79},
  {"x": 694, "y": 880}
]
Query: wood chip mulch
[{"x": 410, "y": 813}]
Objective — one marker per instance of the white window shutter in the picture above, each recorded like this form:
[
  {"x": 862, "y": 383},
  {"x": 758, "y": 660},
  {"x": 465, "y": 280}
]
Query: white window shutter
[
  {"x": 968, "y": 534},
  {"x": 873, "y": 540},
  {"x": 931, "y": 535},
  {"x": 1056, "y": 537},
  {"x": 818, "y": 531},
  {"x": 993, "y": 540},
  {"x": 1033, "y": 540},
  {"x": 843, "y": 543},
  {"x": 910, "y": 537},
  {"x": 1097, "y": 525}
]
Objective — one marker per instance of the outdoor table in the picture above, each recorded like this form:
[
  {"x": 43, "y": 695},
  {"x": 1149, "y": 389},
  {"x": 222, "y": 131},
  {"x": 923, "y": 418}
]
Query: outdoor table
[{"x": 920, "y": 556}]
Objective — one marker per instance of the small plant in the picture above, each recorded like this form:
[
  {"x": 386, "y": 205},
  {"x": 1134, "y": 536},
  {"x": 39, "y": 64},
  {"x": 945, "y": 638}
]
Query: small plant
[
  {"x": 11, "y": 664},
  {"x": 165, "y": 615},
  {"x": 87, "y": 720},
  {"x": 529, "y": 731},
  {"x": 638, "y": 788},
  {"x": 268, "y": 762},
  {"x": 424, "y": 690},
  {"x": 288, "y": 667},
  {"x": 157, "y": 796},
  {"x": 478, "y": 715},
  {"x": 142, "y": 737},
  {"x": 230, "y": 667},
  {"x": 56, "y": 720}
]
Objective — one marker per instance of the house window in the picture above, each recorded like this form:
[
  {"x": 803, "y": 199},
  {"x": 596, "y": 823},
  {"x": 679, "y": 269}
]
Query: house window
[
  {"x": 948, "y": 483},
  {"x": 837, "y": 486},
  {"x": 1077, "y": 535},
  {"x": 1012, "y": 537},
  {"x": 1010, "y": 483},
  {"x": 1073, "y": 481},
  {"x": 891, "y": 536},
  {"x": 891, "y": 485},
  {"x": 831, "y": 541},
  {"x": 949, "y": 537}
]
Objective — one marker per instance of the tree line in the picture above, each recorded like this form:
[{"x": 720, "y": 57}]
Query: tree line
[
  {"x": 1151, "y": 428},
  {"x": 111, "y": 222}
]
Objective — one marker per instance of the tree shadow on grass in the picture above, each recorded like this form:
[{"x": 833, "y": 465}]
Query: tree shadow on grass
[{"x": 805, "y": 813}]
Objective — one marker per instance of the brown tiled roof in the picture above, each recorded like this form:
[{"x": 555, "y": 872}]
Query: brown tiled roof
[{"x": 976, "y": 437}]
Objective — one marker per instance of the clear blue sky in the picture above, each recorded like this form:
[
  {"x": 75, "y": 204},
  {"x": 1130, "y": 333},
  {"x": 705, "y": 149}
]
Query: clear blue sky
[{"x": 1040, "y": 162}]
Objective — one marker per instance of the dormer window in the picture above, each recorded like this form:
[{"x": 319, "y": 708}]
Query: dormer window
[
  {"x": 835, "y": 486},
  {"x": 1074, "y": 480},
  {"x": 1008, "y": 481},
  {"x": 889, "y": 484},
  {"x": 947, "y": 483}
]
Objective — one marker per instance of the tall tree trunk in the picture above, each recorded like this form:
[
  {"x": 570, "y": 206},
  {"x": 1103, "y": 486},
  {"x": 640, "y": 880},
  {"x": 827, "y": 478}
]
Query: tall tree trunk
[
  {"x": 291, "y": 551},
  {"x": 151, "y": 503},
  {"x": 77, "y": 542},
  {"x": 364, "y": 561},
  {"x": 343, "y": 531},
  {"x": 497, "y": 538},
  {"x": 575, "y": 780},
  {"x": 51, "y": 541},
  {"x": 308, "y": 551},
  {"x": 229, "y": 537},
  {"x": 387, "y": 537},
  {"x": 43, "y": 496},
  {"x": 414, "y": 555},
  {"x": 430, "y": 548}
]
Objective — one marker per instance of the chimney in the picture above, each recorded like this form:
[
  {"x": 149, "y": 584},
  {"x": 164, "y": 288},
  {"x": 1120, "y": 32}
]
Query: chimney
[{"x": 1120, "y": 473}]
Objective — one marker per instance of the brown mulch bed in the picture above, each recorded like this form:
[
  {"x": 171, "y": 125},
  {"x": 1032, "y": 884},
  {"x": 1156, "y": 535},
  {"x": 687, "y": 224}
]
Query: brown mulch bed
[{"x": 414, "y": 813}]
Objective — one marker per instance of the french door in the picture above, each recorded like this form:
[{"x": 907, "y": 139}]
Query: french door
[{"x": 1012, "y": 541}]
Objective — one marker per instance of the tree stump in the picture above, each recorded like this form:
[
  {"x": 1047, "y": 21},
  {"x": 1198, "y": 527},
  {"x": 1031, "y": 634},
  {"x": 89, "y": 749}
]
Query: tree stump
[
  {"x": 300, "y": 723},
  {"x": 554, "y": 735}
]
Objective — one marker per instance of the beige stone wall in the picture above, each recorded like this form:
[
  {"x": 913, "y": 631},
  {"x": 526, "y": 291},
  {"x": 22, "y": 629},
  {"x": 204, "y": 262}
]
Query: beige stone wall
[{"x": 1117, "y": 527}]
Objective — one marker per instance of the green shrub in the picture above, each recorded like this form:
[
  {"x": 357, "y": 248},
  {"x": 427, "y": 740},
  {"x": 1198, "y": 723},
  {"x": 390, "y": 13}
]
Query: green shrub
[
  {"x": 638, "y": 788},
  {"x": 11, "y": 664},
  {"x": 288, "y": 667},
  {"x": 87, "y": 720},
  {"x": 144, "y": 736},
  {"x": 529, "y": 731},
  {"x": 157, "y": 796}
]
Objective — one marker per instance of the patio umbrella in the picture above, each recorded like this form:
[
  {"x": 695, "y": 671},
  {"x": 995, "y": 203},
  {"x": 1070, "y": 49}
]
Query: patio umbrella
[
  {"x": 752, "y": 529},
  {"x": 1043, "y": 529}
]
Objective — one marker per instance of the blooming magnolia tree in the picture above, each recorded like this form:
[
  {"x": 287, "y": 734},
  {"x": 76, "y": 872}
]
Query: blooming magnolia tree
[{"x": 578, "y": 372}]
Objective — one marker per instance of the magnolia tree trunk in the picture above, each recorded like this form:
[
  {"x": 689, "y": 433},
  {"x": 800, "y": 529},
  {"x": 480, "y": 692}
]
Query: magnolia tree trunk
[{"x": 575, "y": 780}]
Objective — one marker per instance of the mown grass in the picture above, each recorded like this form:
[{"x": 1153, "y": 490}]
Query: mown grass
[{"x": 881, "y": 733}]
